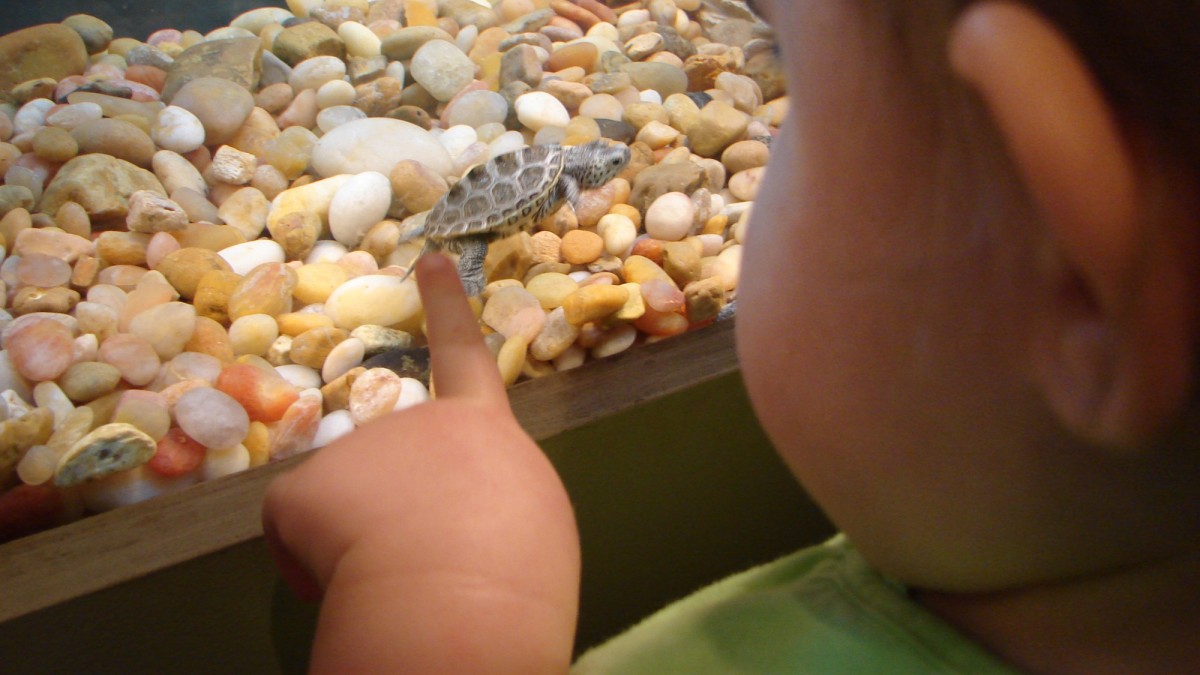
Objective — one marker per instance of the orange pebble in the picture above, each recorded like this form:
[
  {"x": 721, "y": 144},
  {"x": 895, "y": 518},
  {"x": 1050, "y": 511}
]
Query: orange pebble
[
  {"x": 150, "y": 76},
  {"x": 649, "y": 248},
  {"x": 662, "y": 324},
  {"x": 265, "y": 396}
]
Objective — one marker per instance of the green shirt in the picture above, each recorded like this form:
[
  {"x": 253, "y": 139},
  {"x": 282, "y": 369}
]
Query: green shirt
[{"x": 821, "y": 610}]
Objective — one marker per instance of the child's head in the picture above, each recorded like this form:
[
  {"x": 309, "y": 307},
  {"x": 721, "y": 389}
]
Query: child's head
[{"x": 968, "y": 318}]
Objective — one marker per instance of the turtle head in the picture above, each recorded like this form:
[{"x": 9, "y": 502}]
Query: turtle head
[{"x": 594, "y": 164}]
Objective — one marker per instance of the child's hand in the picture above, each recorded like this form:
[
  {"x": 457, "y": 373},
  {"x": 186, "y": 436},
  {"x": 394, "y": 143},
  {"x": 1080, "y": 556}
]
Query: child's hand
[{"x": 439, "y": 537}]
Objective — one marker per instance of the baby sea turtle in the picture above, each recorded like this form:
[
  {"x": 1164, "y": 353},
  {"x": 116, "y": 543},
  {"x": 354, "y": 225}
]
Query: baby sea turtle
[{"x": 509, "y": 193}]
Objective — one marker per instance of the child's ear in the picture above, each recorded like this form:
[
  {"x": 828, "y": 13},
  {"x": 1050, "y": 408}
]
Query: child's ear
[{"x": 1115, "y": 363}]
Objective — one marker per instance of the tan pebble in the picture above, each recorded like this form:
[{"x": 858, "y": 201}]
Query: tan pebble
[
  {"x": 210, "y": 337},
  {"x": 580, "y": 247},
  {"x": 269, "y": 181},
  {"x": 547, "y": 247},
  {"x": 511, "y": 358},
  {"x": 704, "y": 299},
  {"x": 212, "y": 294},
  {"x": 246, "y": 211},
  {"x": 296, "y": 232},
  {"x": 593, "y": 303},
  {"x": 312, "y": 346},
  {"x": 634, "y": 307},
  {"x": 54, "y": 144},
  {"x": 744, "y": 184},
  {"x": 256, "y": 132},
  {"x": 560, "y": 222},
  {"x": 744, "y": 155},
  {"x": 579, "y": 54},
  {"x": 415, "y": 186},
  {"x": 274, "y": 98},
  {"x": 232, "y": 166},
  {"x": 210, "y": 236},
  {"x": 614, "y": 341},
  {"x": 186, "y": 267},
  {"x": 335, "y": 395},
  {"x": 555, "y": 338},
  {"x": 295, "y": 323},
  {"x": 253, "y": 334},
  {"x": 593, "y": 204},
  {"x": 639, "y": 269},
  {"x": 546, "y": 268},
  {"x": 89, "y": 380},
  {"x": 509, "y": 258},
  {"x": 267, "y": 289},
  {"x": 315, "y": 282},
  {"x": 20, "y": 434},
  {"x": 122, "y": 248},
  {"x": 13, "y": 223},
  {"x": 657, "y": 135},
  {"x": 381, "y": 239},
  {"x": 551, "y": 289},
  {"x": 151, "y": 212},
  {"x": 681, "y": 260},
  {"x": 32, "y": 299},
  {"x": 280, "y": 352}
]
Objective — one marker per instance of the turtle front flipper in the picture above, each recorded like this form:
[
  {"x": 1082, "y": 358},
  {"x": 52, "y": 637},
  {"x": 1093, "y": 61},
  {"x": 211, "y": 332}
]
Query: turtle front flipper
[{"x": 470, "y": 264}]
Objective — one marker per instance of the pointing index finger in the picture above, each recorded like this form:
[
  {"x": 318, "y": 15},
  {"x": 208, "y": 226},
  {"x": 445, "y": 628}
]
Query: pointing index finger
[{"x": 462, "y": 364}]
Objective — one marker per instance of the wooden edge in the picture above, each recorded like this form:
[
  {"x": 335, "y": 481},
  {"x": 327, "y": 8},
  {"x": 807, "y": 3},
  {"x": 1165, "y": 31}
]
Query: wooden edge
[{"x": 107, "y": 549}]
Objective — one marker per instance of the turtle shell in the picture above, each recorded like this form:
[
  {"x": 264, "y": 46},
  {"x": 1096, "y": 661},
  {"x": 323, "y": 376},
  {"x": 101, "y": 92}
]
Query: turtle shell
[{"x": 498, "y": 196}]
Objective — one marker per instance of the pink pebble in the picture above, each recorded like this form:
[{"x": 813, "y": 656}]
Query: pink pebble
[
  {"x": 294, "y": 433},
  {"x": 124, "y": 277},
  {"x": 40, "y": 350},
  {"x": 103, "y": 71},
  {"x": 161, "y": 245},
  {"x": 662, "y": 295},
  {"x": 373, "y": 395},
  {"x": 212, "y": 418},
  {"x": 133, "y": 356},
  {"x": 42, "y": 270},
  {"x": 67, "y": 85},
  {"x": 165, "y": 36}
]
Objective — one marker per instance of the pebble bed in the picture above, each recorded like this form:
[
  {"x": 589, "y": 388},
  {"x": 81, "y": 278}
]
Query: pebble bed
[{"x": 203, "y": 235}]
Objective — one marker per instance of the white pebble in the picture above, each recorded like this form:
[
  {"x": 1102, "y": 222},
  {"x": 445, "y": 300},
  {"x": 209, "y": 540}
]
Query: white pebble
[
  {"x": 71, "y": 116},
  {"x": 670, "y": 217},
  {"x": 300, "y": 377},
  {"x": 335, "y": 92},
  {"x": 313, "y": 72},
  {"x": 442, "y": 69},
  {"x": 50, "y": 395},
  {"x": 177, "y": 129},
  {"x": 346, "y": 355},
  {"x": 538, "y": 109},
  {"x": 248, "y": 255},
  {"x": 335, "y": 116},
  {"x": 731, "y": 266},
  {"x": 412, "y": 392},
  {"x": 224, "y": 461},
  {"x": 509, "y": 141},
  {"x": 332, "y": 427},
  {"x": 31, "y": 116},
  {"x": 710, "y": 244},
  {"x": 326, "y": 250},
  {"x": 615, "y": 341},
  {"x": 211, "y": 417},
  {"x": 357, "y": 205},
  {"x": 457, "y": 138}
]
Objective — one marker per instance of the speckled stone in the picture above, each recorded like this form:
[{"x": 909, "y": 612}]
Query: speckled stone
[{"x": 105, "y": 450}]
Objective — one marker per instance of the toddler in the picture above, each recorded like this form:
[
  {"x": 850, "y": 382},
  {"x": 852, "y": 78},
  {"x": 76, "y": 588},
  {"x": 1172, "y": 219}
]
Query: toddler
[{"x": 968, "y": 322}]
